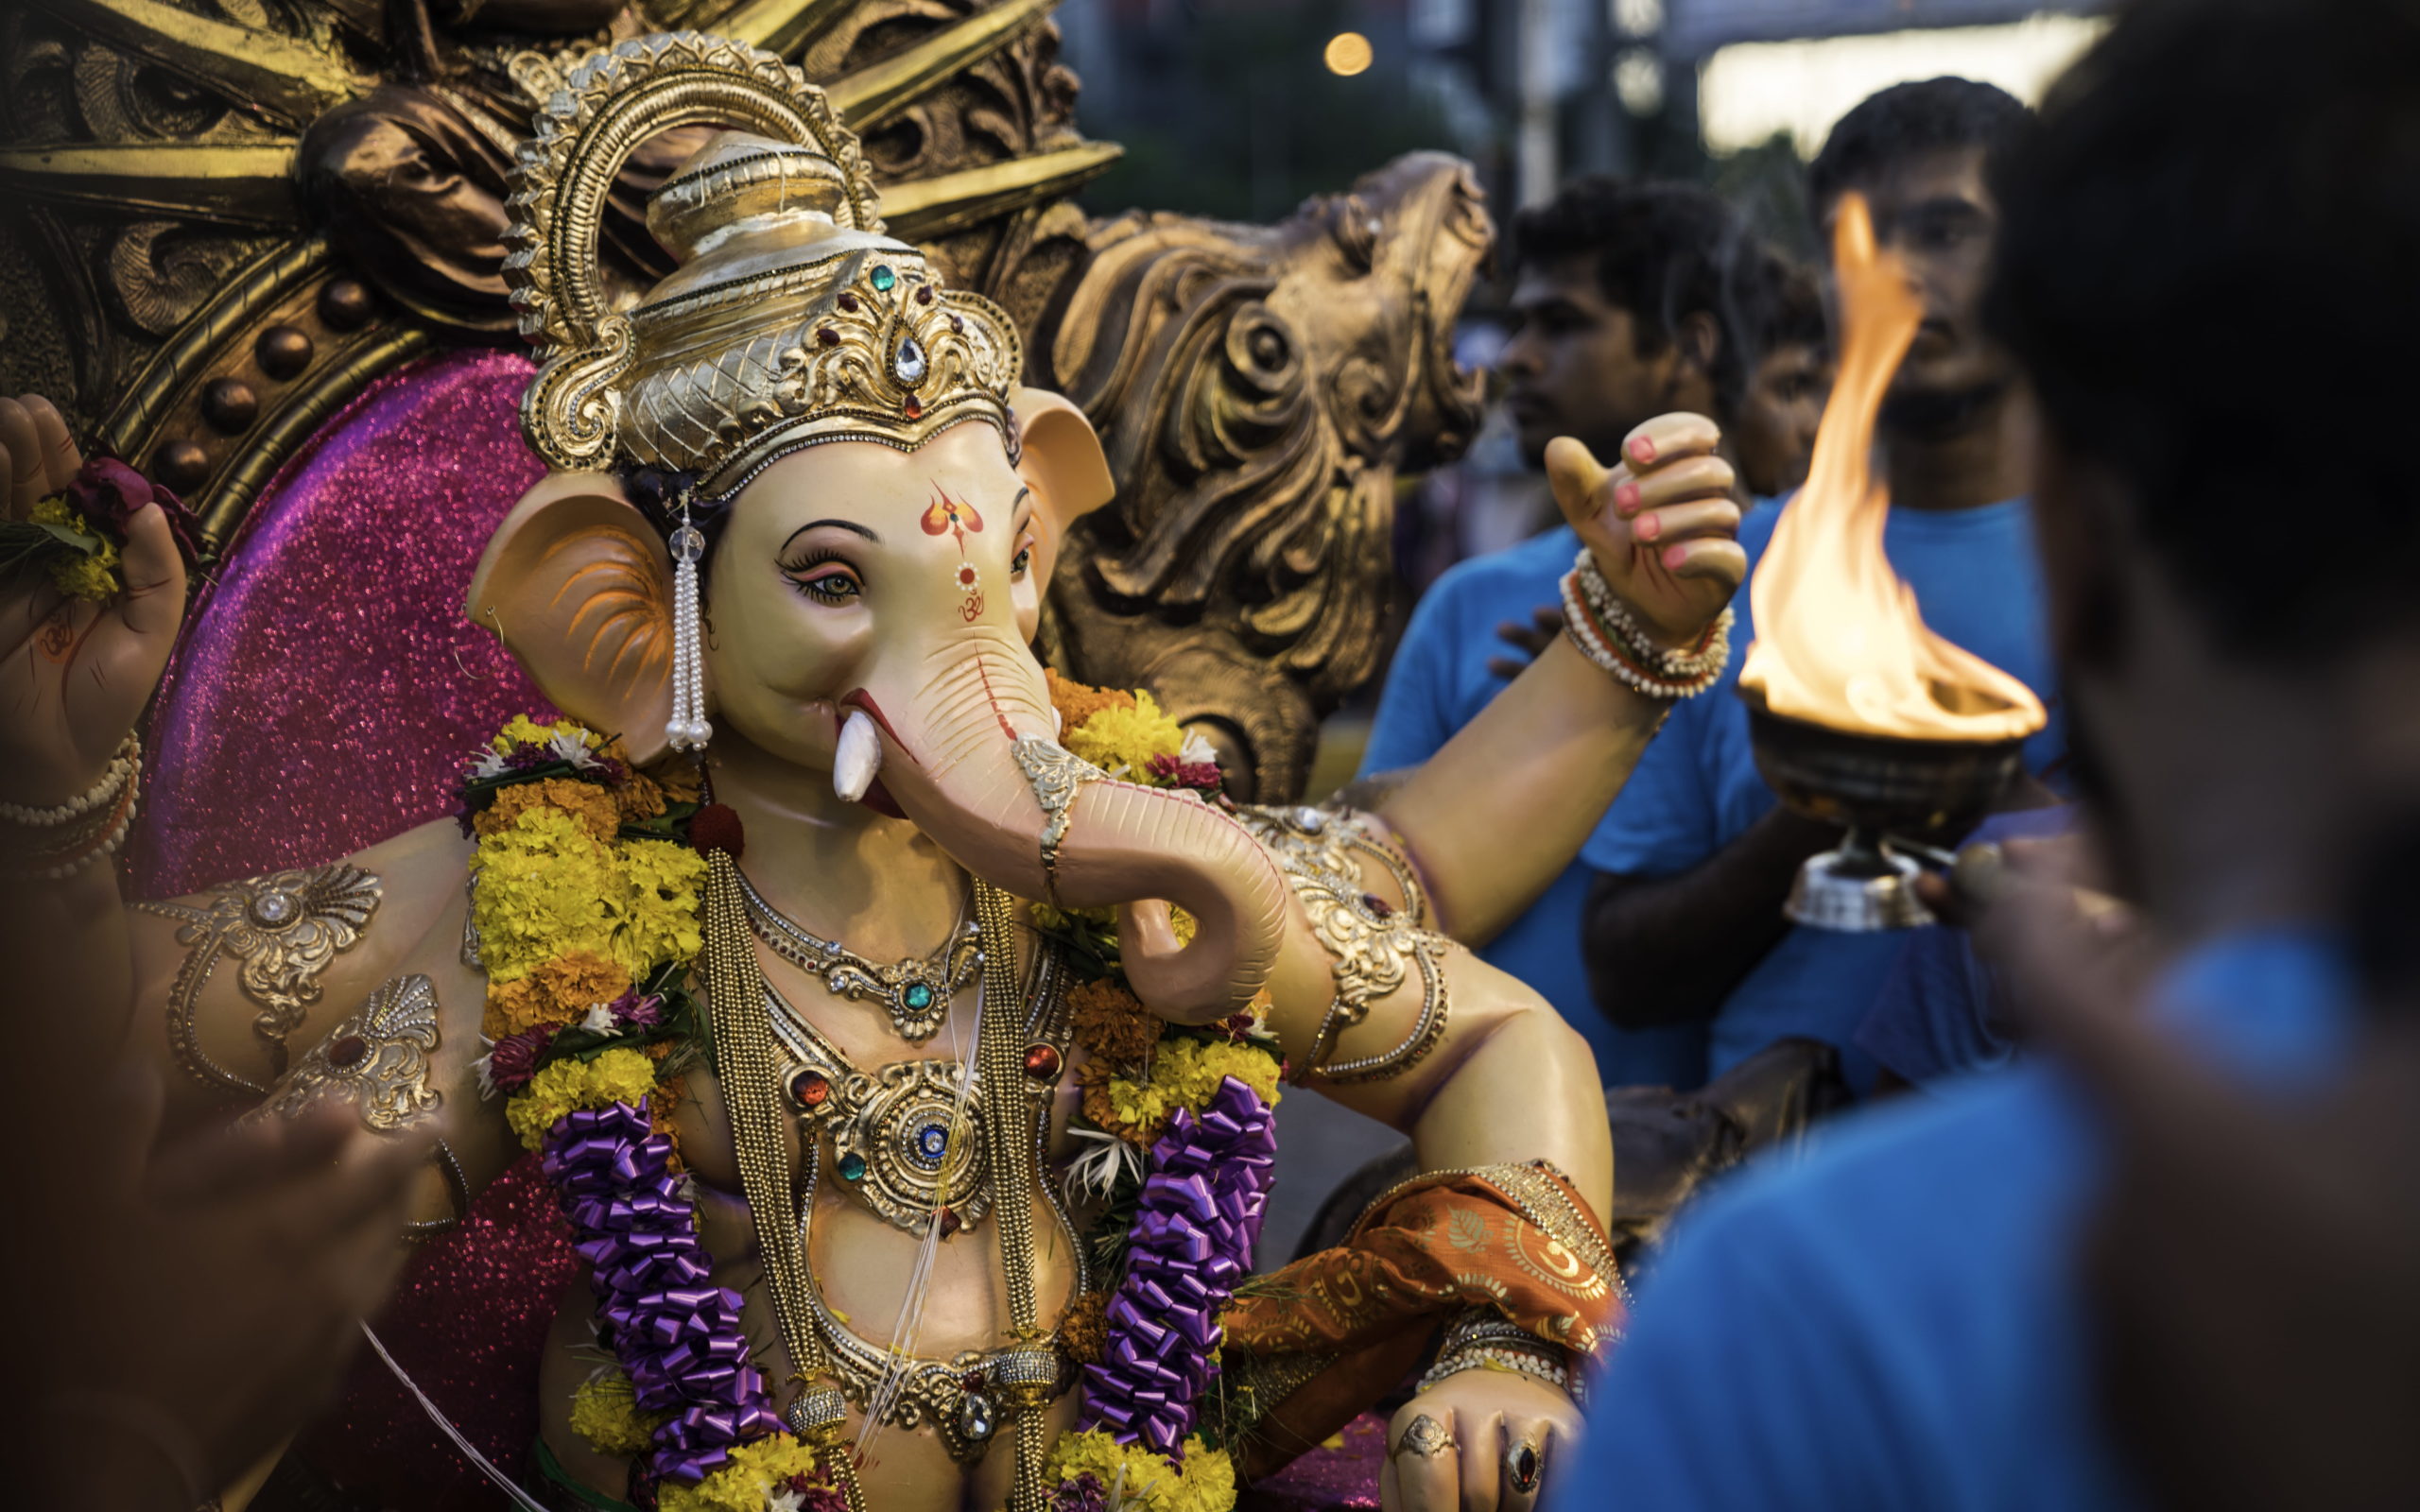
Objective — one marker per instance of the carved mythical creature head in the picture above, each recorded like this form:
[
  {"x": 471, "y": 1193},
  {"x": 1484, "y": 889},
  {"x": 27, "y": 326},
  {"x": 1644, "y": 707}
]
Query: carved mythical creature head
[{"x": 1260, "y": 389}]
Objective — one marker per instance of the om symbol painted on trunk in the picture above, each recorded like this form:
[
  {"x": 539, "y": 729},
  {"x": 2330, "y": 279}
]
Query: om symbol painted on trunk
[{"x": 959, "y": 518}]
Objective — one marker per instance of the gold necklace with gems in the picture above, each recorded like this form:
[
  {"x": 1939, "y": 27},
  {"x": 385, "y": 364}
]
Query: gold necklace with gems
[{"x": 915, "y": 993}]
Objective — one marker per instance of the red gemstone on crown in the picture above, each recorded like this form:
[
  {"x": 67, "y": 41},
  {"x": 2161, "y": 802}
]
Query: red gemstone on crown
[
  {"x": 810, "y": 1090},
  {"x": 1042, "y": 1062},
  {"x": 912, "y": 407},
  {"x": 827, "y": 336},
  {"x": 924, "y": 294},
  {"x": 348, "y": 1050},
  {"x": 847, "y": 302},
  {"x": 957, "y": 324},
  {"x": 1378, "y": 906}
]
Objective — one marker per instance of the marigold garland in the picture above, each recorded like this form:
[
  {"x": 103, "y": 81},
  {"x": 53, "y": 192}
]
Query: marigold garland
[
  {"x": 1204, "y": 1481},
  {"x": 605, "y": 1411},
  {"x": 747, "y": 1484}
]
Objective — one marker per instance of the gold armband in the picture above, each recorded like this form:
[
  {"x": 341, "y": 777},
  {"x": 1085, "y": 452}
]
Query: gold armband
[
  {"x": 1373, "y": 942},
  {"x": 286, "y": 928},
  {"x": 376, "y": 1060}
]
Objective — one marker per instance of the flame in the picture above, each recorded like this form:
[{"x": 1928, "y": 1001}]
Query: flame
[{"x": 1839, "y": 642}]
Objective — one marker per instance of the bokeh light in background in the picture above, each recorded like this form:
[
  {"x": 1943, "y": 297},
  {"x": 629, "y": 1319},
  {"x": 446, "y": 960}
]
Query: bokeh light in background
[
  {"x": 1749, "y": 92},
  {"x": 1348, "y": 53}
]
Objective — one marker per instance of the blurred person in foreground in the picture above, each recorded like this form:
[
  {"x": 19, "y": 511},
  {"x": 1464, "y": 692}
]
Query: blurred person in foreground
[
  {"x": 1622, "y": 314},
  {"x": 1684, "y": 924},
  {"x": 183, "y": 1308},
  {"x": 1900, "y": 1320}
]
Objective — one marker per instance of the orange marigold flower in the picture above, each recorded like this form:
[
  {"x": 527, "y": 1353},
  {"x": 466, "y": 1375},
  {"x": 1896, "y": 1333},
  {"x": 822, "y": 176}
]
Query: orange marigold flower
[
  {"x": 1078, "y": 702},
  {"x": 585, "y": 801},
  {"x": 1112, "y": 1023},
  {"x": 679, "y": 778},
  {"x": 557, "y": 992},
  {"x": 640, "y": 798},
  {"x": 1083, "y": 1330},
  {"x": 1101, "y": 1108}
]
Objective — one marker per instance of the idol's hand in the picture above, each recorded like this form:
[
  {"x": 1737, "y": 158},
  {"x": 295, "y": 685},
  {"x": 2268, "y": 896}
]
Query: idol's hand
[
  {"x": 1490, "y": 1441},
  {"x": 77, "y": 674},
  {"x": 1662, "y": 526}
]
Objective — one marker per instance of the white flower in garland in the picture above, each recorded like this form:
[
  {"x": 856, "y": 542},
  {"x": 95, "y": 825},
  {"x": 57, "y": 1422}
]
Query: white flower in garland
[{"x": 1097, "y": 1170}]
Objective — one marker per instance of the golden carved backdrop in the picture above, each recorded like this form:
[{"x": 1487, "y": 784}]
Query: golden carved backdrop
[{"x": 219, "y": 219}]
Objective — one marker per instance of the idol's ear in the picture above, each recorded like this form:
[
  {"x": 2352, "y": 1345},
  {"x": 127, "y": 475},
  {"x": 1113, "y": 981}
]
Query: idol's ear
[
  {"x": 1063, "y": 464},
  {"x": 578, "y": 588}
]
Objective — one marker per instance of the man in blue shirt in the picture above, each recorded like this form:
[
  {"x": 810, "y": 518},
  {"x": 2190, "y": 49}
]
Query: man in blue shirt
[
  {"x": 1622, "y": 298},
  {"x": 1686, "y": 926},
  {"x": 1896, "y": 1321}
]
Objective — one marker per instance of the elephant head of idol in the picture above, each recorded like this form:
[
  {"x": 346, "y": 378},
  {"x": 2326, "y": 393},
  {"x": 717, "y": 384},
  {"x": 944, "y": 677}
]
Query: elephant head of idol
[{"x": 881, "y": 506}]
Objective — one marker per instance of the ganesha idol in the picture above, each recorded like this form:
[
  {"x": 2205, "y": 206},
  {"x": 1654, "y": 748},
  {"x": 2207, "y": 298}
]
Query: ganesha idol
[{"x": 899, "y": 1026}]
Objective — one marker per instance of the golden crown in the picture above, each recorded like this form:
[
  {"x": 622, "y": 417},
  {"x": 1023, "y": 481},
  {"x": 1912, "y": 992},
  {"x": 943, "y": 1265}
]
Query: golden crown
[{"x": 790, "y": 320}]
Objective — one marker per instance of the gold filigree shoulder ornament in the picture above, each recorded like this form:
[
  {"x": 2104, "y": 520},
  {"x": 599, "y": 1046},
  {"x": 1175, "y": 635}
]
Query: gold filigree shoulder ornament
[{"x": 791, "y": 319}]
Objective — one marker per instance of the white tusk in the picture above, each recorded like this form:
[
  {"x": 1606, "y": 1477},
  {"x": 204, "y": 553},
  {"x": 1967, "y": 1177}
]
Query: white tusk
[
  {"x": 855, "y": 757},
  {"x": 1058, "y": 723}
]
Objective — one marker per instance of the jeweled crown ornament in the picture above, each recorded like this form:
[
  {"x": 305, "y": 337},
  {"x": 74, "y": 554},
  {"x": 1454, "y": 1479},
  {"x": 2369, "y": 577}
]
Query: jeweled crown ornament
[{"x": 791, "y": 319}]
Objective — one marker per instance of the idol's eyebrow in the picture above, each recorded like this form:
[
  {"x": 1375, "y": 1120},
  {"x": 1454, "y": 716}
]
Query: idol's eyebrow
[
  {"x": 1023, "y": 494},
  {"x": 839, "y": 524}
]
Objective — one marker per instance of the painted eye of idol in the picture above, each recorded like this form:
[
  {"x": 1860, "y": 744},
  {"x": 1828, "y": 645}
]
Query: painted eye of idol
[
  {"x": 1023, "y": 561},
  {"x": 818, "y": 568}
]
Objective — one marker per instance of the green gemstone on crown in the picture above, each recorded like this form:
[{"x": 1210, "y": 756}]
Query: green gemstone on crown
[
  {"x": 918, "y": 996},
  {"x": 884, "y": 277},
  {"x": 853, "y": 1167}
]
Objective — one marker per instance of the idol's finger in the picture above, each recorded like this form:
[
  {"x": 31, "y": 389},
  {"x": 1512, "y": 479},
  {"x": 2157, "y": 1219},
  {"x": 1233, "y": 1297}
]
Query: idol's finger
[
  {"x": 1716, "y": 558},
  {"x": 22, "y": 444},
  {"x": 1482, "y": 1460},
  {"x": 1691, "y": 477},
  {"x": 1666, "y": 436},
  {"x": 60, "y": 461},
  {"x": 1706, "y": 518}
]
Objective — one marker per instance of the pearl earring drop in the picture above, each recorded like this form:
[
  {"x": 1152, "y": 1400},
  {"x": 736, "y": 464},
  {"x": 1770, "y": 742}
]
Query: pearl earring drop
[{"x": 687, "y": 729}]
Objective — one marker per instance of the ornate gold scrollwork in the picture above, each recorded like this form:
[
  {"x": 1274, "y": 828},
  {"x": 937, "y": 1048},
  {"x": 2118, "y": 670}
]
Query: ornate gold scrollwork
[
  {"x": 377, "y": 1059},
  {"x": 1056, "y": 774},
  {"x": 286, "y": 927},
  {"x": 1372, "y": 943}
]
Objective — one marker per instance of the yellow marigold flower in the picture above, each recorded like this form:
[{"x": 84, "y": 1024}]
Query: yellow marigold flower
[
  {"x": 1145, "y": 1482},
  {"x": 1181, "y": 924},
  {"x": 1078, "y": 701},
  {"x": 524, "y": 730},
  {"x": 1191, "y": 1070},
  {"x": 747, "y": 1482},
  {"x": 593, "y": 806},
  {"x": 618, "y": 1076},
  {"x": 546, "y": 888},
  {"x": 560, "y": 992},
  {"x": 605, "y": 1411},
  {"x": 662, "y": 907},
  {"x": 74, "y": 573},
  {"x": 1118, "y": 739}
]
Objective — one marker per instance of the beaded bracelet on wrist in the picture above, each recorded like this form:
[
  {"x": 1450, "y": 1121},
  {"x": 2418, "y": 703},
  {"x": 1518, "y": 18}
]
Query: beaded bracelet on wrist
[
  {"x": 1485, "y": 1339},
  {"x": 87, "y": 829},
  {"x": 1601, "y": 626},
  {"x": 102, "y": 793}
]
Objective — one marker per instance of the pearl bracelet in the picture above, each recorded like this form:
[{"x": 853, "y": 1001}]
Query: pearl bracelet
[
  {"x": 1483, "y": 1339},
  {"x": 1601, "y": 626},
  {"x": 96, "y": 838},
  {"x": 121, "y": 768}
]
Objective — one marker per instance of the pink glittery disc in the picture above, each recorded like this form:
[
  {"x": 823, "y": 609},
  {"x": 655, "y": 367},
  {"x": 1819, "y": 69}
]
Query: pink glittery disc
[{"x": 324, "y": 697}]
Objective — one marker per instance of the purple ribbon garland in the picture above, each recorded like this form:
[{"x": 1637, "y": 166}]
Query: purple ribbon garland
[
  {"x": 1190, "y": 1245},
  {"x": 677, "y": 1337}
]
